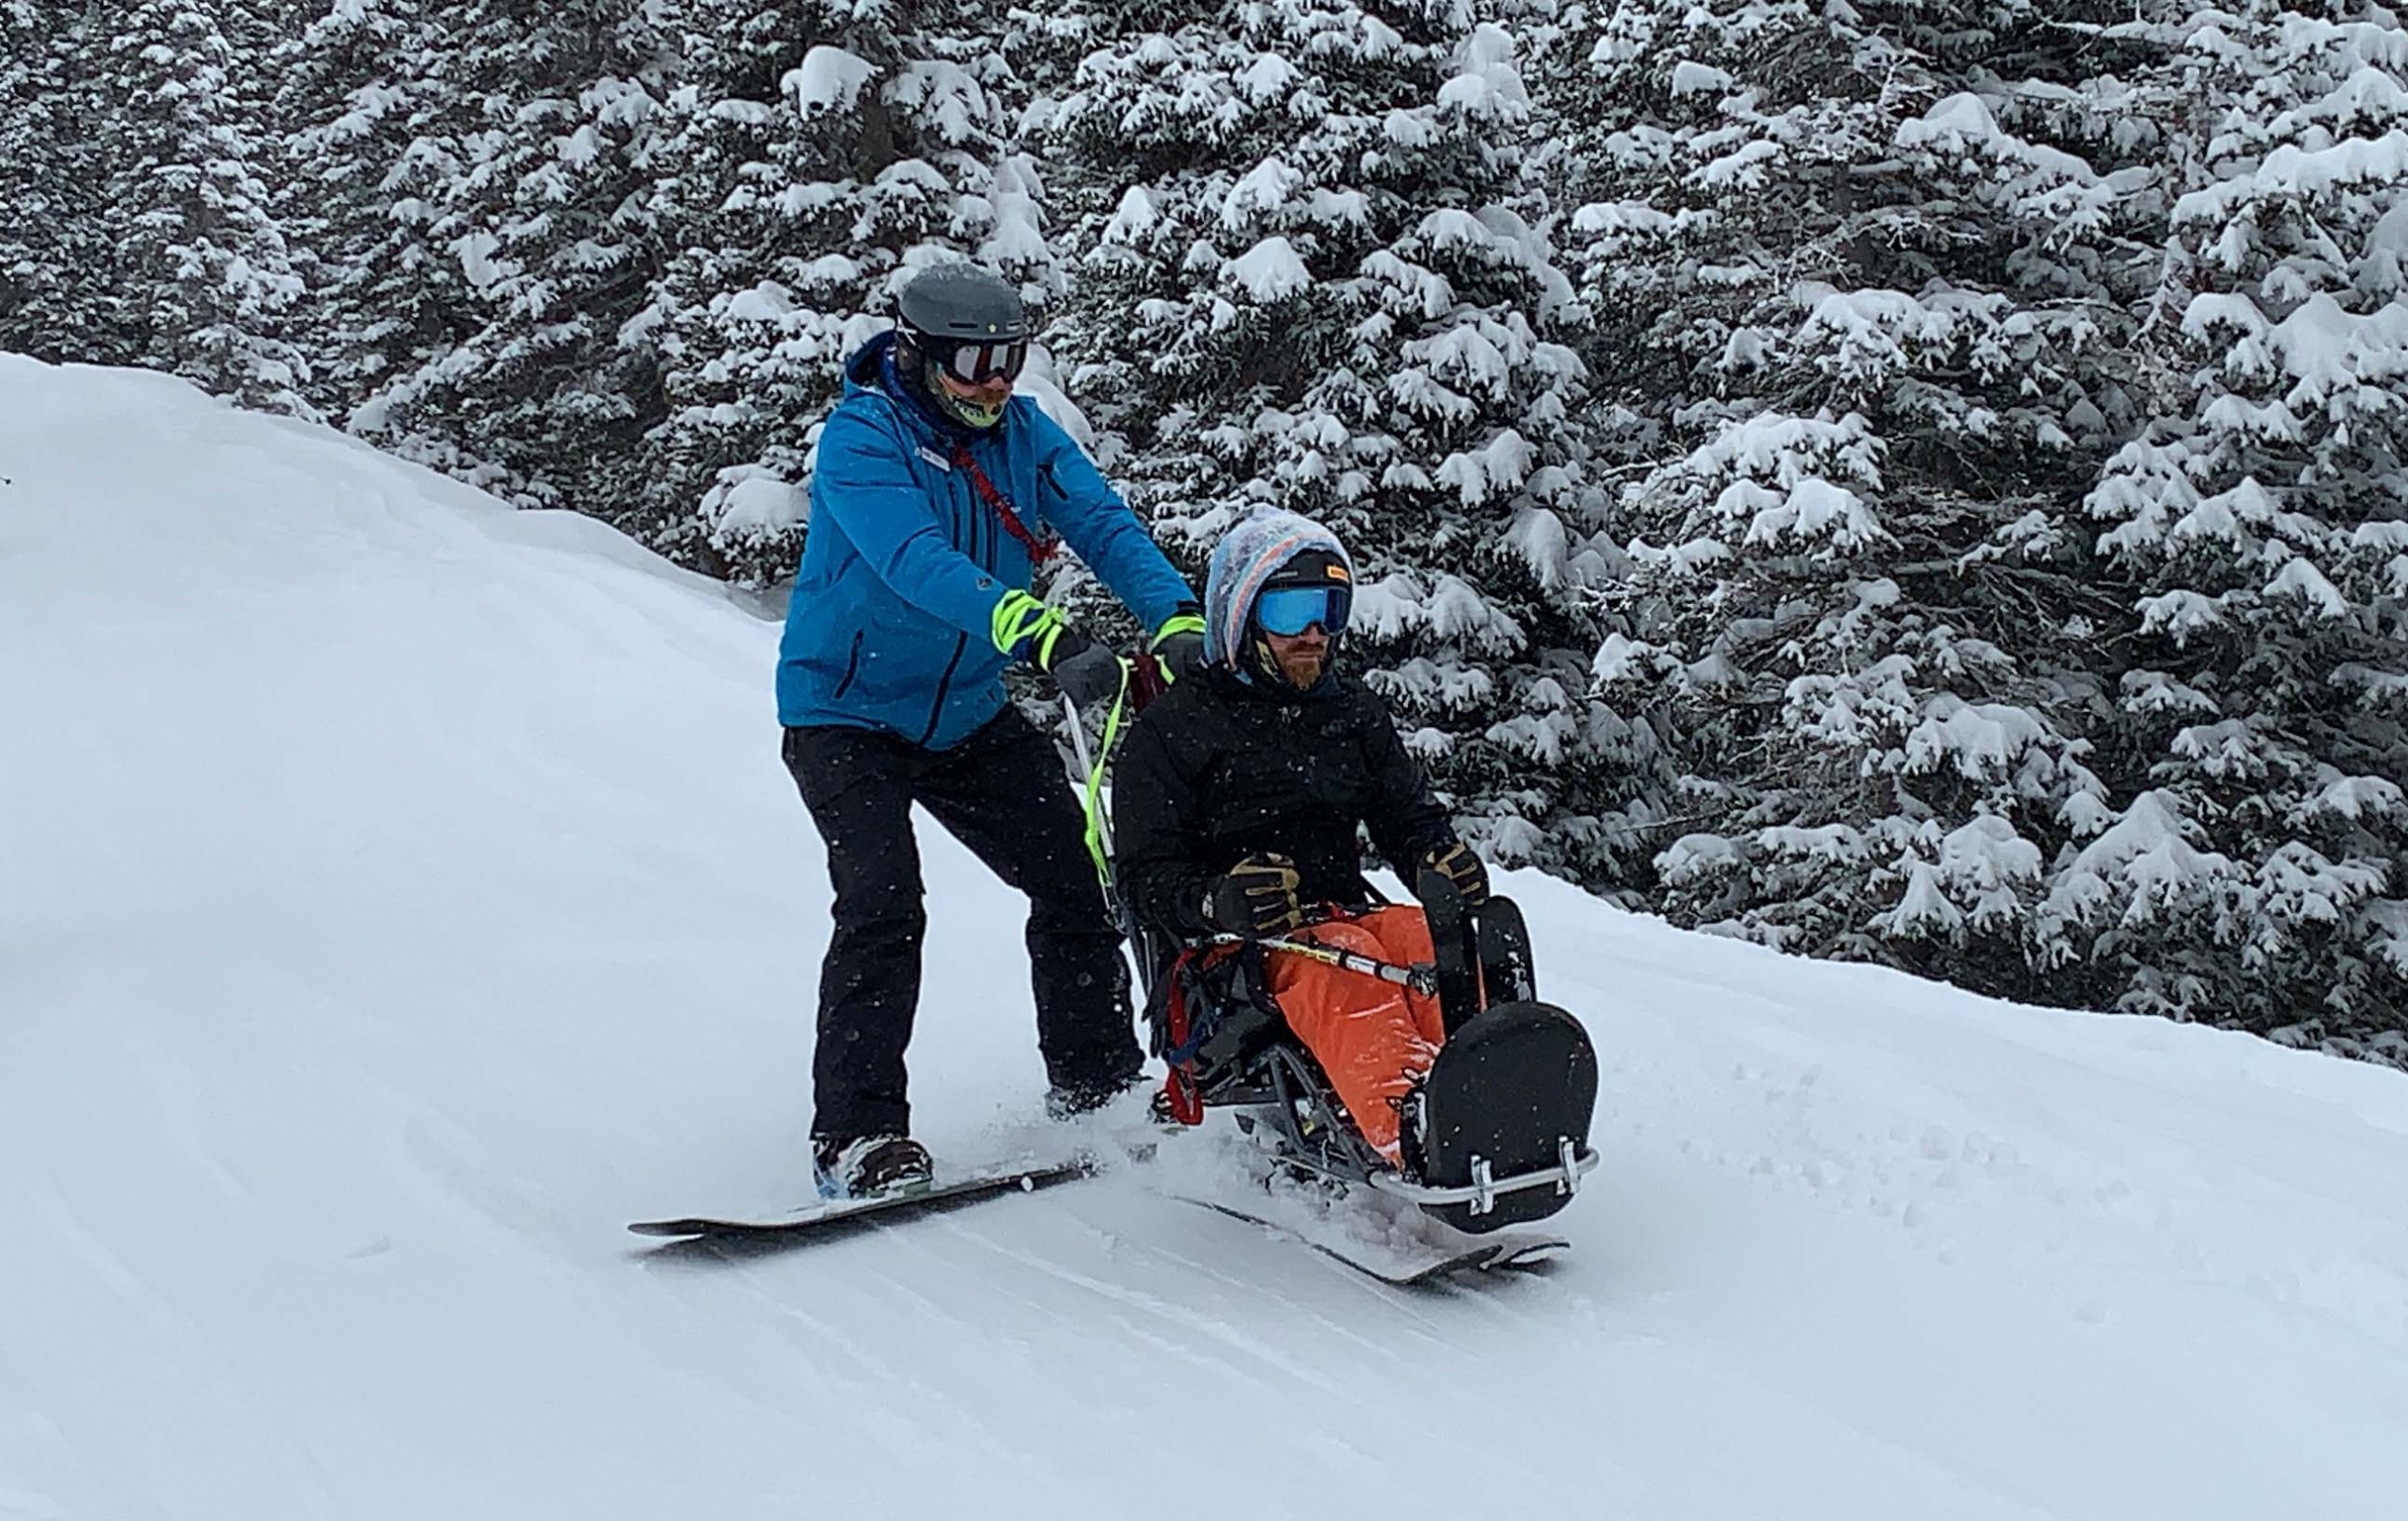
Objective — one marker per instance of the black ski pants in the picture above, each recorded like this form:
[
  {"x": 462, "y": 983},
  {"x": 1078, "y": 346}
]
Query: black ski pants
[{"x": 1001, "y": 792}]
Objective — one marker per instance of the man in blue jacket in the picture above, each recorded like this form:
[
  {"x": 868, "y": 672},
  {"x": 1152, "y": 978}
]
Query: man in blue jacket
[{"x": 936, "y": 494}]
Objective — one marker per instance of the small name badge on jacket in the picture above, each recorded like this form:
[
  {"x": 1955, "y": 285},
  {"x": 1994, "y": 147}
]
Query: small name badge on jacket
[{"x": 934, "y": 458}]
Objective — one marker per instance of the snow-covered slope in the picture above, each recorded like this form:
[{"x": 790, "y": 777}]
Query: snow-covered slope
[{"x": 398, "y": 894}]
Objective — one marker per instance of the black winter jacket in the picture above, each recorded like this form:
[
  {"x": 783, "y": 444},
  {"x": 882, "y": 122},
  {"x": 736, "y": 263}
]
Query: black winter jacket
[{"x": 1215, "y": 770}]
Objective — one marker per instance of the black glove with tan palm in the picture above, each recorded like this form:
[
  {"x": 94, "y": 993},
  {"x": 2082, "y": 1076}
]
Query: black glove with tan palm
[
  {"x": 1461, "y": 866},
  {"x": 1257, "y": 897}
]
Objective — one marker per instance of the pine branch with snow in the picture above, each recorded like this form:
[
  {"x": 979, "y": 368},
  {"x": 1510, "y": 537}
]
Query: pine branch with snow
[
  {"x": 1877, "y": 333},
  {"x": 59, "y": 295},
  {"x": 1312, "y": 273},
  {"x": 186, "y": 210},
  {"x": 2263, "y": 723},
  {"x": 376, "y": 137},
  {"x": 539, "y": 200},
  {"x": 809, "y": 157}
]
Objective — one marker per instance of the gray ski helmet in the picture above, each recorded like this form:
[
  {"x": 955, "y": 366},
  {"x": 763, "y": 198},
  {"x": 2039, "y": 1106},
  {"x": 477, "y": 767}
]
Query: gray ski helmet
[
  {"x": 957, "y": 303},
  {"x": 965, "y": 320}
]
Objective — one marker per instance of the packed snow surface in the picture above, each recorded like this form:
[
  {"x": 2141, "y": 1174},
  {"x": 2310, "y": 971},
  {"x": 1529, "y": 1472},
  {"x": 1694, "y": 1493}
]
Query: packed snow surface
[{"x": 401, "y": 893}]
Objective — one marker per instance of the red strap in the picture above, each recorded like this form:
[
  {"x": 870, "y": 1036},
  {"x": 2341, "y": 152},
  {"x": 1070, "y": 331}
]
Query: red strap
[
  {"x": 1146, "y": 684},
  {"x": 1039, "y": 551},
  {"x": 1186, "y": 1099}
]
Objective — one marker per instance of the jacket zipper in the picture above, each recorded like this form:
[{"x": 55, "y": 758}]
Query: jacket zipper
[
  {"x": 979, "y": 515},
  {"x": 852, "y": 666},
  {"x": 960, "y": 643}
]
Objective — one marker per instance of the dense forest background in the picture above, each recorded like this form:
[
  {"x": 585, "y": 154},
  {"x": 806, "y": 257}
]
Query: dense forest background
[{"x": 1915, "y": 482}]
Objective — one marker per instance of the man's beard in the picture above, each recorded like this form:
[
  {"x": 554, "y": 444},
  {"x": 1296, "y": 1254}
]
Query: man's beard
[{"x": 1303, "y": 668}]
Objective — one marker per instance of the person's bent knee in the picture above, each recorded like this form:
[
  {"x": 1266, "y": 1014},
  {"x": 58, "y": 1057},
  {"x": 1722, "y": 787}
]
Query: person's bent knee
[{"x": 884, "y": 924}]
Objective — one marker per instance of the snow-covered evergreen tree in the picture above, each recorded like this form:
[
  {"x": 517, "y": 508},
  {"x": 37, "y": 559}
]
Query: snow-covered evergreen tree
[
  {"x": 1911, "y": 478},
  {"x": 1868, "y": 299},
  {"x": 57, "y": 300},
  {"x": 547, "y": 211},
  {"x": 2256, "y": 870},
  {"x": 809, "y": 153},
  {"x": 1312, "y": 273},
  {"x": 186, "y": 205},
  {"x": 372, "y": 137}
]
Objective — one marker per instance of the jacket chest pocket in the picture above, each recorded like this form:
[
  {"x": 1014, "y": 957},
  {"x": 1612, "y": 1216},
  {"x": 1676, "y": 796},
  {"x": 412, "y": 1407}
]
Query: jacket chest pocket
[{"x": 976, "y": 528}]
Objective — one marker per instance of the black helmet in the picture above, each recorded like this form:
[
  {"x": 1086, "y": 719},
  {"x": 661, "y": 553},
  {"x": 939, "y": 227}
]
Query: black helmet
[{"x": 960, "y": 320}]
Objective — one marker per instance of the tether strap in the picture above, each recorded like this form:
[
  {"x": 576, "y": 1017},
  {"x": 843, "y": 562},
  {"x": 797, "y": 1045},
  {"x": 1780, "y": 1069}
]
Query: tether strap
[
  {"x": 1099, "y": 845},
  {"x": 1039, "y": 551}
]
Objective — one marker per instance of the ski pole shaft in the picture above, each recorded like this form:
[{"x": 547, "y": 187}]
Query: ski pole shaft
[
  {"x": 1079, "y": 740},
  {"x": 1420, "y": 978}
]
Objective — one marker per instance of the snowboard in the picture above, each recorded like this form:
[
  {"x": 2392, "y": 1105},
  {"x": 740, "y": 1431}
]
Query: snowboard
[
  {"x": 834, "y": 1217},
  {"x": 1521, "y": 1250}
]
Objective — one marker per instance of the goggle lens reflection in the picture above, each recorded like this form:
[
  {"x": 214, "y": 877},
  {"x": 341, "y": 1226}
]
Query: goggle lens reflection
[{"x": 1289, "y": 611}]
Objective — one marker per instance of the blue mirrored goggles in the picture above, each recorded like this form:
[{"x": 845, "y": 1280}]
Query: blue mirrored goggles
[{"x": 1289, "y": 611}]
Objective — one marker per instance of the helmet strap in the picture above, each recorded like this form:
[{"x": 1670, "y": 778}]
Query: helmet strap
[{"x": 1265, "y": 661}]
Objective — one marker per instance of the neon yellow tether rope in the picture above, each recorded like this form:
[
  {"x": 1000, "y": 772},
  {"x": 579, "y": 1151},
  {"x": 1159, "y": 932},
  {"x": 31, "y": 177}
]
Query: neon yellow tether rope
[{"x": 1099, "y": 832}]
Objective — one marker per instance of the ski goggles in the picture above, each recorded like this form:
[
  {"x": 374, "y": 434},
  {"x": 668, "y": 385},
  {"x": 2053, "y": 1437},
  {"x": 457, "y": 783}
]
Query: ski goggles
[
  {"x": 975, "y": 364},
  {"x": 1289, "y": 611}
]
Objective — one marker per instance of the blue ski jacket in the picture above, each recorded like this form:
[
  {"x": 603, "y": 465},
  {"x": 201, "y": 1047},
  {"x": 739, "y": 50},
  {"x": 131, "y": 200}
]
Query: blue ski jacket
[{"x": 892, "y": 622}]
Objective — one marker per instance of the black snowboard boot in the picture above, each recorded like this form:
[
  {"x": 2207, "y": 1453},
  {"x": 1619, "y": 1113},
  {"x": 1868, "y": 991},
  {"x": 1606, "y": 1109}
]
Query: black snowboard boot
[
  {"x": 1076, "y": 1100},
  {"x": 869, "y": 1165}
]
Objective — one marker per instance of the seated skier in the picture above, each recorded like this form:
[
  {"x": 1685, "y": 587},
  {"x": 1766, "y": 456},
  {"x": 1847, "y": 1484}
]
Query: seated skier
[{"x": 1236, "y": 802}]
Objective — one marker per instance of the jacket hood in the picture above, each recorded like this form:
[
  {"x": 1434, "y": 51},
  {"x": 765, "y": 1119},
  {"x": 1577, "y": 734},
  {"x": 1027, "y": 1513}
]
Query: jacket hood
[
  {"x": 872, "y": 371},
  {"x": 1247, "y": 558},
  {"x": 866, "y": 368}
]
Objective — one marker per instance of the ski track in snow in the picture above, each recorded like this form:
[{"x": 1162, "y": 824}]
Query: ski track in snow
[{"x": 410, "y": 895}]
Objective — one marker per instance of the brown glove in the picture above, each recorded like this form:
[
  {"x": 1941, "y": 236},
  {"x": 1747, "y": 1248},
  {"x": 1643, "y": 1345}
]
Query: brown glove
[
  {"x": 1257, "y": 897},
  {"x": 1458, "y": 863}
]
